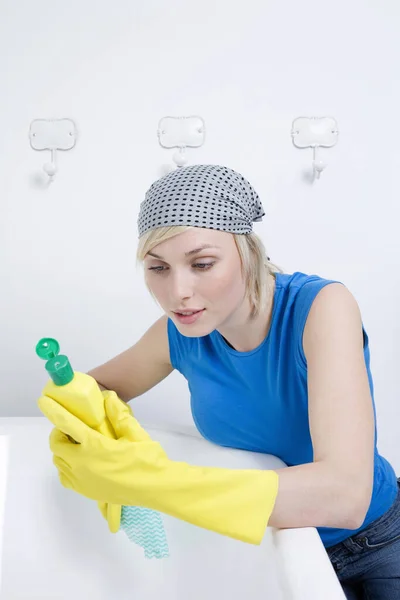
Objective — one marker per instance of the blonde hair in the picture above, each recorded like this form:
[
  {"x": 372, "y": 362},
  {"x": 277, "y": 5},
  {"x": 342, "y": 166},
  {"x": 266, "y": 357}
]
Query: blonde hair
[{"x": 256, "y": 266}]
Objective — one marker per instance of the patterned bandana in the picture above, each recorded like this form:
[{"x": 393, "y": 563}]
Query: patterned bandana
[{"x": 209, "y": 196}]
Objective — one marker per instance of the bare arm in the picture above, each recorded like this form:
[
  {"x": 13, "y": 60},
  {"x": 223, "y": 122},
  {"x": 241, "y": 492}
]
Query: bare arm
[
  {"x": 141, "y": 367},
  {"x": 334, "y": 490}
]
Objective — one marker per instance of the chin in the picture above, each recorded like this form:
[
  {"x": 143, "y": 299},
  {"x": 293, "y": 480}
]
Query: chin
[{"x": 193, "y": 330}]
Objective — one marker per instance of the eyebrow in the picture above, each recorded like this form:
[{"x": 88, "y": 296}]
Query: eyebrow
[{"x": 190, "y": 253}]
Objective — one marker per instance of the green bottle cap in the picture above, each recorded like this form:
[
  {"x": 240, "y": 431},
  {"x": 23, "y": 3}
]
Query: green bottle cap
[{"x": 57, "y": 365}]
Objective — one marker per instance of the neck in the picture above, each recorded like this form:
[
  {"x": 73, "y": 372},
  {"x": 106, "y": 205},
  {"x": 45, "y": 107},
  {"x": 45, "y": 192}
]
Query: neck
[{"x": 243, "y": 333}]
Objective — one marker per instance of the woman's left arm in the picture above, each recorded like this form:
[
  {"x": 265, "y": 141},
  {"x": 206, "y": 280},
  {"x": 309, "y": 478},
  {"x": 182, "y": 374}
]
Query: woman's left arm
[{"x": 334, "y": 490}]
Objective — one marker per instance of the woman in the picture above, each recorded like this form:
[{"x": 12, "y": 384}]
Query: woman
[{"x": 275, "y": 363}]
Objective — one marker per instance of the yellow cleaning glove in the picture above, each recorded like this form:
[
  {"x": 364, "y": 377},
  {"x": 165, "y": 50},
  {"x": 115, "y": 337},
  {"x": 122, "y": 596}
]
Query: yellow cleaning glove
[
  {"x": 112, "y": 512},
  {"x": 134, "y": 470},
  {"x": 83, "y": 399}
]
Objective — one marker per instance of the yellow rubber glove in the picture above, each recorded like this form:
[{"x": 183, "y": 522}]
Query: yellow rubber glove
[
  {"x": 235, "y": 503},
  {"x": 88, "y": 407},
  {"x": 112, "y": 512}
]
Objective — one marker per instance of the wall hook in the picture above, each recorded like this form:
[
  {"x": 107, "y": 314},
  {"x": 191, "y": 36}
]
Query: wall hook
[
  {"x": 53, "y": 135},
  {"x": 315, "y": 133},
  {"x": 181, "y": 133},
  {"x": 317, "y": 163}
]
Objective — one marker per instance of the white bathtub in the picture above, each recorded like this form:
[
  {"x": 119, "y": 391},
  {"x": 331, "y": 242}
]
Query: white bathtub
[{"x": 56, "y": 545}]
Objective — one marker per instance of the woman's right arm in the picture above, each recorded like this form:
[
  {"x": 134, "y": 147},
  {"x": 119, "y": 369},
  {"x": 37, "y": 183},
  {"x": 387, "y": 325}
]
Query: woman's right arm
[{"x": 141, "y": 367}]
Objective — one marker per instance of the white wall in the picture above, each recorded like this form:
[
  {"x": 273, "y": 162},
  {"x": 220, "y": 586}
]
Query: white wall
[{"x": 67, "y": 251}]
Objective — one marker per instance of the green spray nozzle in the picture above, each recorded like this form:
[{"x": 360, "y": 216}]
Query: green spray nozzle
[{"x": 57, "y": 365}]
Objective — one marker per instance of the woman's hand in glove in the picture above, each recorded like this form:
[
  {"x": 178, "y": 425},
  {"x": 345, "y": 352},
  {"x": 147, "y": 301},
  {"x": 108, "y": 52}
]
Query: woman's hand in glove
[{"x": 99, "y": 467}]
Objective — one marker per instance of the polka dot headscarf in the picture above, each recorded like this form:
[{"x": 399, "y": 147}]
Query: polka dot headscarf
[{"x": 210, "y": 196}]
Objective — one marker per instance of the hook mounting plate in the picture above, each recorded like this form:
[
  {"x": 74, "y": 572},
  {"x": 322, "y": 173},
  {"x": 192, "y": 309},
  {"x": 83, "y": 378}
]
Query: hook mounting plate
[
  {"x": 308, "y": 132},
  {"x": 181, "y": 132},
  {"x": 52, "y": 134}
]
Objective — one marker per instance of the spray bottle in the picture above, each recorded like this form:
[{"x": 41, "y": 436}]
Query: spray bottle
[{"x": 80, "y": 394}]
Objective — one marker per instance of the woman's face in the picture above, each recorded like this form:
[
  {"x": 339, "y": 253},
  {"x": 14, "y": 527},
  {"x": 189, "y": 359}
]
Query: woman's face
[{"x": 209, "y": 279}]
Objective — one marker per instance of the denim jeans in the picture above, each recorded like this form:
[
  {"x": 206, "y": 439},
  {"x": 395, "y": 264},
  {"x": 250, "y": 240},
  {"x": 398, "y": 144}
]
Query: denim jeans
[{"x": 368, "y": 563}]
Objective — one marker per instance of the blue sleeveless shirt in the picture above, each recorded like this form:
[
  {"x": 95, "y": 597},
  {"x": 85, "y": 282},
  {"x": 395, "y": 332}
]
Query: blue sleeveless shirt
[{"x": 258, "y": 401}]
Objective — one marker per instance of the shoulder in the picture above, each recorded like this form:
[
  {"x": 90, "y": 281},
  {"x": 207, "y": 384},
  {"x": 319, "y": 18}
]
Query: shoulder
[
  {"x": 155, "y": 341},
  {"x": 298, "y": 292},
  {"x": 334, "y": 314},
  {"x": 333, "y": 302},
  {"x": 318, "y": 309},
  {"x": 300, "y": 285},
  {"x": 314, "y": 291}
]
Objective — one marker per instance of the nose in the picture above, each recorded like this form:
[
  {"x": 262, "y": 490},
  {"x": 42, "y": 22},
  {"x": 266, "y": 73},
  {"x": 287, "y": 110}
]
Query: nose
[{"x": 181, "y": 286}]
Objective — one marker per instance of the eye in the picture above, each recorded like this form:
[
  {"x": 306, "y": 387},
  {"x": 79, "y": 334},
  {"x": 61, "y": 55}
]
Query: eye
[
  {"x": 199, "y": 266},
  {"x": 204, "y": 266}
]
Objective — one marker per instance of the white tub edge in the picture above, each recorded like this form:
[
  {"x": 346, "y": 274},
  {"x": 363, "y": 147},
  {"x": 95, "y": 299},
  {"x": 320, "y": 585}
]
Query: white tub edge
[
  {"x": 3, "y": 486},
  {"x": 306, "y": 572}
]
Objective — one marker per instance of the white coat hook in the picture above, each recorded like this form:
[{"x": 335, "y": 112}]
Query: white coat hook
[
  {"x": 180, "y": 158},
  {"x": 53, "y": 135},
  {"x": 318, "y": 164},
  {"x": 51, "y": 167},
  {"x": 181, "y": 133},
  {"x": 315, "y": 133}
]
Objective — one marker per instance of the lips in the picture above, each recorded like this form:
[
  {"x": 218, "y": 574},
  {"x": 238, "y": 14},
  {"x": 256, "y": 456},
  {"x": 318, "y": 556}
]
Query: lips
[{"x": 189, "y": 319}]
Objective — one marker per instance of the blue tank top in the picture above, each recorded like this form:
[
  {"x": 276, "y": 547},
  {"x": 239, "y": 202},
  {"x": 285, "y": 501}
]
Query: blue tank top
[{"x": 258, "y": 400}]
